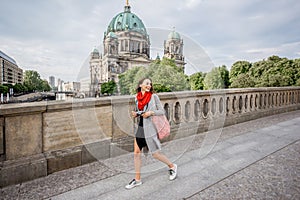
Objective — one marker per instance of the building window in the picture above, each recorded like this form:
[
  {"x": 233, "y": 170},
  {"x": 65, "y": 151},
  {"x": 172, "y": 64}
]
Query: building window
[{"x": 131, "y": 46}]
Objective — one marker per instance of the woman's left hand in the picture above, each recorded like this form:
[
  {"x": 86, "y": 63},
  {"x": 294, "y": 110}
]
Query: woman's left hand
[{"x": 148, "y": 114}]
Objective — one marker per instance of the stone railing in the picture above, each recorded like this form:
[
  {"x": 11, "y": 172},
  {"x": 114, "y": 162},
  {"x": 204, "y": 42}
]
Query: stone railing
[{"x": 40, "y": 138}]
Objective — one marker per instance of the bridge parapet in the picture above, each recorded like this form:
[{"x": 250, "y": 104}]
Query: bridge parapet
[{"x": 40, "y": 138}]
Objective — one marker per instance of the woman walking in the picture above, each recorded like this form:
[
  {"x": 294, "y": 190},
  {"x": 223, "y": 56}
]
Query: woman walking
[{"x": 148, "y": 104}]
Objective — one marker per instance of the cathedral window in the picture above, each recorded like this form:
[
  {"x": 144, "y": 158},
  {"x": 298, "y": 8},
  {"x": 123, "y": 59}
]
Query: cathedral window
[
  {"x": 131, "y": 47},
  {"x": 126, "y": 45},
  {"x": 112, "y": 50},
  {"x": 122, "y": 45}
]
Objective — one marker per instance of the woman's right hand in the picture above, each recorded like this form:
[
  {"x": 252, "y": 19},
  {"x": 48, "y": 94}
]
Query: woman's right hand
[{"x": 133, "y": 114}]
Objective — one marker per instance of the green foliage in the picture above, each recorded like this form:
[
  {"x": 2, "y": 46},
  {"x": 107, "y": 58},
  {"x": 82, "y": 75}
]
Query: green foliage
[
  {"x": 217, "y": 78},
  {"x": 161, "y": 88},
  {"x": 197, "y": 81},
  {"x": 224, "y": 75},
  {"x": 19, "y": 88},
  {"x": 108, "y": 88},
  {"x": 33, "y": 82},
  {"x": 239, "y": 67},
  {"x": 164, "y": 74},
  {"x": 45, "y": 86},
  {"x": 126, "y": 80},
  {"x": 296, "y": 66},
  {"x": 169, "y": 77},
  {"x": 3, "y": 89},
  {"x": 242, "y": 81},
  {"x": 272, "y": 72},
  {"x": 170, "y": 62}
]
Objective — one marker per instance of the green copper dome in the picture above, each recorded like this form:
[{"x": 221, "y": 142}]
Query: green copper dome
[
  {"x": 95, "y": 50},
  {"x": 174, "y": 35},
  {"x": 126, "y": 21}
]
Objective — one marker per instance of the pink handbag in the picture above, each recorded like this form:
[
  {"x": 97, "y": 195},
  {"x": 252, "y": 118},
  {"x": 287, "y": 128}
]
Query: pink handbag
[{"x": 162, "y": 126}]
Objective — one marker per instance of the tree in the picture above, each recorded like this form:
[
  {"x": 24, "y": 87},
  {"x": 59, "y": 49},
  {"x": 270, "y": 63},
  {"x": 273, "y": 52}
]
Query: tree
[
  {"x": 19, "y": 88},
  {"x": 45, "y": 86},
  {"x": 170, "y": 62},
  {"x": 161, "y": 88},
  {"x": 296, "y": 65},
  {"x": 126, "y": 80},
  {"x": 197, "y": 81},
  {"x": 109, "y": 87},
  {"x": 217, "y": 78},
  {"x": 33, "y": 82},
  {"x": 274, "y": 72},
  {"x": 165, "y": 75},
  {"x": 224, "y": 75},
  {"x": 239, "y": 67},
  {"x": 169, "y": 77},
  {"x": 3, "y": 89},
  {"x": 243, "y": 81}
]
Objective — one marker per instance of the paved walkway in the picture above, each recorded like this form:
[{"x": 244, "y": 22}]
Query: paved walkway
[{"x": 259, "y": 159}]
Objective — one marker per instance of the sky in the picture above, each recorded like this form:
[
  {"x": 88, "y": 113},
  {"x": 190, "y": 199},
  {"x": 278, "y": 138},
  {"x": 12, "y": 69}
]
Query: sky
[{"x": 55, "y": 37}]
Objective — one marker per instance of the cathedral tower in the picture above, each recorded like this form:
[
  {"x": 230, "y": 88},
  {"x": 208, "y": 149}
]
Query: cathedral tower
[{"x": 173, "y": 49}]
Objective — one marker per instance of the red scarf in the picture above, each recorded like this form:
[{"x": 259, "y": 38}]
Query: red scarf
[{"x": 143, "y": 99}]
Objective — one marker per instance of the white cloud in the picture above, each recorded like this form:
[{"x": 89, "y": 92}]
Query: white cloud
[{"x": 192, "y": 3}]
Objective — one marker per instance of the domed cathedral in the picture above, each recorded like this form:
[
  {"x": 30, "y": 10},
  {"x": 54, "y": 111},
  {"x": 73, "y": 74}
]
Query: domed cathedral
[
  {"x": 173, "y": 49},
  {"x": 126, "y": 44}
]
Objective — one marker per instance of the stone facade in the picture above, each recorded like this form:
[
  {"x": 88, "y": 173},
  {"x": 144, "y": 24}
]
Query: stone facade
[{"x": 45, "y": 137}]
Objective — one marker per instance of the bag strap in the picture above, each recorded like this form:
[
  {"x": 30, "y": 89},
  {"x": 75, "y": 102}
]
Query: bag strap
[{"x": 155, "y": 101}]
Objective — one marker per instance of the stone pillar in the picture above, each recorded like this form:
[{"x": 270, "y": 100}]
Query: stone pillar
[
  {"x": 24, "y": 159},
  {"x": 23, "y": 135},
  {"x": 1, "y": 136}
]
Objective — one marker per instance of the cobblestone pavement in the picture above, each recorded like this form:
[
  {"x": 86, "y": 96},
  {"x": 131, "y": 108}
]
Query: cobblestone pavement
[{"x": 275, "y": 177}]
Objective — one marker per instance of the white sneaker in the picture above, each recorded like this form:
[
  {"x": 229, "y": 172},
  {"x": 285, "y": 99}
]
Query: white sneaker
[
  {"x": 173, "y": 173},
  {"x": 133, "y": 184}
]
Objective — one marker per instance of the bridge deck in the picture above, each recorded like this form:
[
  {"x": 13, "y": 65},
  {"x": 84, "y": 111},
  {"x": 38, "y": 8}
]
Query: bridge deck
[{"x": 258, "y": 159}]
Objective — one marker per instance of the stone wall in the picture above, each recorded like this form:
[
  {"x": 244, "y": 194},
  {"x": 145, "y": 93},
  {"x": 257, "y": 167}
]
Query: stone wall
[
  {"x": 40, "y": 138},
  {"x": 1, "y": 136}
]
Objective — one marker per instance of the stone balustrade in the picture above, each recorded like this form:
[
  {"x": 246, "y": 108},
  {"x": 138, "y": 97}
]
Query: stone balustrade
[{"x": 40, "y": 138}]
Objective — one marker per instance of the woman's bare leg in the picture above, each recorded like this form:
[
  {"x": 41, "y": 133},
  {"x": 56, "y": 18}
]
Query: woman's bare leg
[
  {"x": 137, "y": 161},
  {"x": 159, "y": 156}
]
